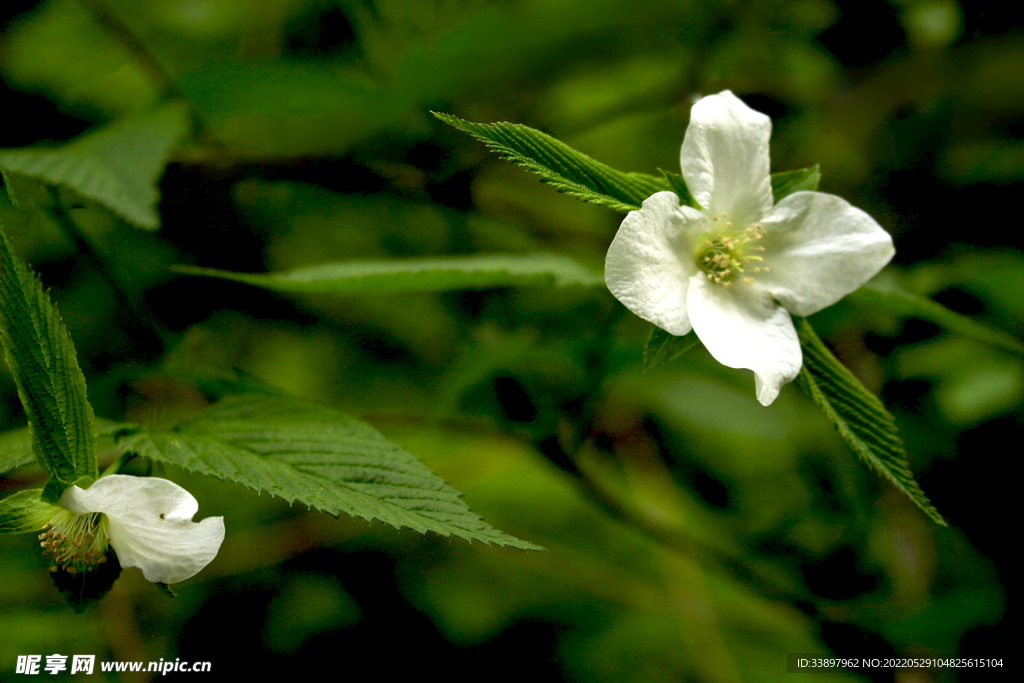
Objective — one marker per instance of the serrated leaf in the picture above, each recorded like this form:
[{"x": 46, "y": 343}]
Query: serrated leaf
[
  {"x": 118, "y": 165},
  {"x": 884, "y": 294},
  {"x": 16, "y": 445},
  {"x": 860, "y": 418},
  {"x": 580, "y": 176},
  {"x": 311, "y": 454},
  {"x": 559, "y": 165},
  {"x": 417, "y": 275},
  {"x": 663, "y": 347},
  {"x": 42, "y": 359},
  {"x": 788, "y": 182}
]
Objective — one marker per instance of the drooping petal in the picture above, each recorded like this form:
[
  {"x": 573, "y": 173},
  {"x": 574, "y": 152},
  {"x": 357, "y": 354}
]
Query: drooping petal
[
  {"x": 819, "y": 249},
  {"x": 725, "y": 158},
  {"x": 743, "y": 328},
  {"x": 150, "y": 525},
  {"x": 651, "y": 260}
]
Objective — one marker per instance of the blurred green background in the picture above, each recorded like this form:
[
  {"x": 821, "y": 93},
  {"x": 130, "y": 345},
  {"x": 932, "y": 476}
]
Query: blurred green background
[{"x": 693, "y": 535}]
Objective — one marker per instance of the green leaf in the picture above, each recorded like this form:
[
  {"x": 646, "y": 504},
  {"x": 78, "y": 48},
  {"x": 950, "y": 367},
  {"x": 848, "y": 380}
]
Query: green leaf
[
  {"x": 678, "y": 184},
  {"x": 15, "y": 449},
  {"x": 118, "y": 165},
  {"x": 16, "y": 445},
  {"x": 558, "y": 164},
  {"x": 25, "y": 511},
  {"x": 418, "y": 275},
  {"x": 9, "y": 186},
  {"x": 788, "y": 182},
  {"x": 663, "y": 347},
  {"x": 884, "y": 294},
  {"x": 319, "y": 457},
  {"x": 860, "y": 418},
  {"x": 588, "y": 180},
  {"x": 41, "y": 357}
]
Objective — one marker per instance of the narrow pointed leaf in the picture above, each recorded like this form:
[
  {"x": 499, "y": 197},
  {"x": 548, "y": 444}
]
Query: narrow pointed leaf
[
  {"x": 788, "y": 182},
  {"x": 663, "y": 347},
  {"x": 860, "y": 418},
  {"x": 311, "y": 454},
  {"x": 886, "y": 295},
  {"x": 8, "y": 181},
  {"x": 561, "y": 166},
  {"x": 41, "y": 357},
  {"x": 118, "y": 165},
  {"x": 419, "y": 275}
]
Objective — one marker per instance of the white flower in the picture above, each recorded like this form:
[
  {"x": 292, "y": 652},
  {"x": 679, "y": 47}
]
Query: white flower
[
  {"x": 147, "y": 520},
  {"x": 722, "y": 271}
]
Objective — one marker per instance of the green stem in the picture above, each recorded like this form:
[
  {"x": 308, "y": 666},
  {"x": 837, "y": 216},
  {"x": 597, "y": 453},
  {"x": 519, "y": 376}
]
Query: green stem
[
  {"x": 164, "y": 83},
  {"x": 113, "y": 23},
  {"x": 146, "y": 323},
  {"x": 116, "y": 466}
]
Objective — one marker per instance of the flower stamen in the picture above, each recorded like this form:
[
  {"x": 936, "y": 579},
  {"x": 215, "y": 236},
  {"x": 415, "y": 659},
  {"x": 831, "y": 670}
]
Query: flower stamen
[
  {"x": 724, "y": 256},
  {"x": 78, "y": 543}
]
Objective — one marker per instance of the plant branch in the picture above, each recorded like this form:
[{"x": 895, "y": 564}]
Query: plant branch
[
  {"x": 145, "y": 321},
  {"x": 124, "y": 34}
]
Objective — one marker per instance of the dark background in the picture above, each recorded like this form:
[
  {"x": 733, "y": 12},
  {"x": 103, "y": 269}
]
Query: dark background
[{"x": 694, "y": 535}]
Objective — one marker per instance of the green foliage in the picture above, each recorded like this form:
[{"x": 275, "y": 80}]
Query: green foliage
[
  {"x": 118, "y": 165},
  {"x": 860, "y": 418},
  {"x": 420, "y": 275},
  {"x": 262, "y": 98},
  {"x": 663, "y": 347},
  {"x": 578, "y": 175},
  {"x": 25, "y": 511},
  {"x": 16, "y": 445},
  {"x": 559, "y": 165},
  {"x": 588, "y": 180},
  {"x": 308, "y": 453},
  {"x": 65, "y": 51},
  {"x": 693, "y": 534},
  {"x": 788, "y": 182},
  {"x": 678, "y": 184},
  {"x": 41, "y": 356},
  {"x": 16, "y": 449},
  {"x": 885, "y": 294}
]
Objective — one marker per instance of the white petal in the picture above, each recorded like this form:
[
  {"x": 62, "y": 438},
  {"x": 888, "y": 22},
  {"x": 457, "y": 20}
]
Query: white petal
[
  {"x": 725, "y": 158},
  {"x": 78, "y": 501},
  {"x": 819, "y": 249},
  {"x": 150, "y": 525},
  {"x": 651, "y": 260},
  {"x": 743, "y": 328}
]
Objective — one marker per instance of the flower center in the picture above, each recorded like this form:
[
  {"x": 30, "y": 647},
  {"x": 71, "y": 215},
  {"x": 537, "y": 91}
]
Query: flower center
[
  {"x": 76, "y": 542},
  {"x": 725, "y": 256}
]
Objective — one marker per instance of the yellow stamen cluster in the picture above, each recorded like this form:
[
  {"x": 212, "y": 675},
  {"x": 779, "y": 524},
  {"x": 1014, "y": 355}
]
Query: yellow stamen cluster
[
  {"x": 76, "y": 542},
  {"x": 723, "y": 257}
]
